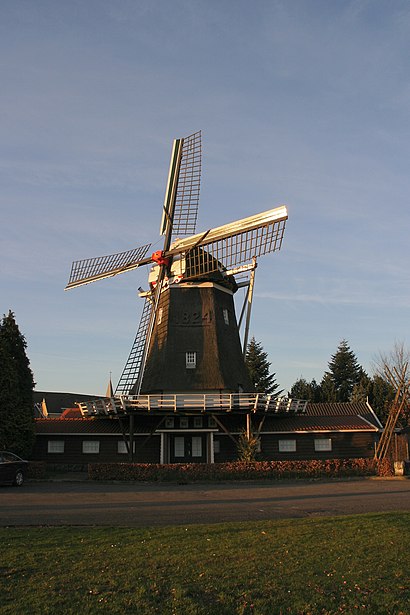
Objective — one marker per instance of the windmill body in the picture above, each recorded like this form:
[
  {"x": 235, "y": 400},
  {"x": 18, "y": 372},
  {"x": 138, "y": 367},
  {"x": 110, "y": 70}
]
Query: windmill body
[{"x": 195, "y": 345}]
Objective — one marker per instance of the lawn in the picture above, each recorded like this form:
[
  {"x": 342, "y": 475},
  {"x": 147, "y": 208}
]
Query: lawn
[{"x": 322, "y": 565}]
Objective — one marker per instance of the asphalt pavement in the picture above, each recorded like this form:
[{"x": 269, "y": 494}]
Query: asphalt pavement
[{"x": 73, "y": 500}]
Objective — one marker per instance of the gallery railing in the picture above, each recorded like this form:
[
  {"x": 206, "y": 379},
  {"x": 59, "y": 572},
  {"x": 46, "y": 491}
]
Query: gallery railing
[{"x": 193, "y": 403}]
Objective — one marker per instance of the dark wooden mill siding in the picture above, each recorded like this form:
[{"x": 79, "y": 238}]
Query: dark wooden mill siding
[{"x": 190, "y": 318}]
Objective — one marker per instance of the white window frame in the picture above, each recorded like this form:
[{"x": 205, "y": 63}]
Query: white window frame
[
  {"x": 323, "y": 444},
  {"x": 190, "y": 360},
  {"x": 91, "y": 447},
  {"x": 122, "y": 447},
  {"x": 55, "y": 446},
  {"x": 196, "y": 444},
  {"x": 179, "y": 446},
  {"x": 160, "y": 312},
  {"x": 287, "y": 446}
]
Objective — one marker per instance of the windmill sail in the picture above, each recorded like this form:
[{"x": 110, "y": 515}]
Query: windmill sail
[
  {"x": 189, "y": 181},
  {"x": 181, "y": 203},
  {"x": 100, "y": 267},
  {"x": 132, "y": 367},
  {"x": 232, "y": 244}
]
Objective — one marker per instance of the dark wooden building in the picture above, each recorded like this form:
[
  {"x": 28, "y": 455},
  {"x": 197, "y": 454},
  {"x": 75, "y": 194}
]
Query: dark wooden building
[{"x": 322, "y": 431}]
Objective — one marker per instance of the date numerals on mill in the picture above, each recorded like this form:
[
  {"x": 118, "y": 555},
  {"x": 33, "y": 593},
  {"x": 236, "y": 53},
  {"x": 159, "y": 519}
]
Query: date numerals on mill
[{"x": 194, "y": 319}]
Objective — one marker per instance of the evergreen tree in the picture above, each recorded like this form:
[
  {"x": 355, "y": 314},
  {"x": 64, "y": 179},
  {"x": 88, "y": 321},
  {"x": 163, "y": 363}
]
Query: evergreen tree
[
  {"x": 16, "y": 390},
  {"x": 302, "y": 389},
  {"x": 344, "y": 373},
  {"x": 381, "y": 395},
  {"x": 256, "y": 361}
]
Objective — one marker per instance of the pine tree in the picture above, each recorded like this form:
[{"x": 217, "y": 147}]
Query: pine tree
[
  {"x": 344, "y": 373},
  {"x": 16, "y": 390},
  {"x": 259, "y": 369},
  {"x": 302, "y": 389}
]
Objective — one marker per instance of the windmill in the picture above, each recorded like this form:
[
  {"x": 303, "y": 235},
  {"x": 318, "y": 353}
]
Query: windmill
[{"x": 188, "y": 337}]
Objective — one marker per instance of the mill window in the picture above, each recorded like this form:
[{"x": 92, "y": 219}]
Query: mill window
[
  {"x": 190, "y": 358},
  {"x": 226, "y": 316}
]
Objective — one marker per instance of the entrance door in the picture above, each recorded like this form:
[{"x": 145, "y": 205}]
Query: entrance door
[{"x": 187, "y": 448}]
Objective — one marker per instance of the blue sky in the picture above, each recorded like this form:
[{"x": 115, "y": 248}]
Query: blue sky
[{"x": 305, "y": 103}]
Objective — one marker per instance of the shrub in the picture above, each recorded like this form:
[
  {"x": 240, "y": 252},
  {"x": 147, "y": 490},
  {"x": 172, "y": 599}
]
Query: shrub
[
  {"x": 36, "y": 469},
  {"x": 235, "y": 470}
]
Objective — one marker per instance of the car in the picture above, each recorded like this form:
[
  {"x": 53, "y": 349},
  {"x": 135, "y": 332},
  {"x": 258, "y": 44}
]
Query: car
[{"x": 12, "y": 469}]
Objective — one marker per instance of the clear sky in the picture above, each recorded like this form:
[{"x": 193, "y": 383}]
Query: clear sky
[{"x": 302, "y": 102}]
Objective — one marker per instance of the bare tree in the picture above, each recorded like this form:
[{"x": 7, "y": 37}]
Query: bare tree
[{"x": 395, "y": 362}]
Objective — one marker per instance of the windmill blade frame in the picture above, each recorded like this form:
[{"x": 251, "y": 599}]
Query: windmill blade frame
[
  {"x": 232, "y": 244},
  {"x": 133, "y": 364},
  {"x": 92, "y": 269}
]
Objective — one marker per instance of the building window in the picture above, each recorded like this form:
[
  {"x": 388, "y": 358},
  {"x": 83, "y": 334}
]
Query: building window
[
  {"x": 179, "y": 446},
  {"x": 55, "y": 446},
  {"x": 122, "y": 447},
  {"x": 226, "y": 316},
  {"x": 184, "y": 422},
  {"x": 190, "y": 358},
  {"x": 323, "y": 444},
  {"x": 159, "y": 319},
  {"x": 169, "y": 422},
  {"x": 217, "y": 446},
  {"x": 91, "y": 446},
  {"x": 287, "y": 446},
  {"x": 196, "y": 446},
  {"x": 198, "y": 422},
  {"x": 211, "y": 422}
]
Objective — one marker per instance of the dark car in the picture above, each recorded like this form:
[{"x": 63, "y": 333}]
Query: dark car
[{"x": 12, "y": 469}]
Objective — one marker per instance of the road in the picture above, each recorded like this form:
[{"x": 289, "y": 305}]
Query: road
[{"x": 138, "y": 505}]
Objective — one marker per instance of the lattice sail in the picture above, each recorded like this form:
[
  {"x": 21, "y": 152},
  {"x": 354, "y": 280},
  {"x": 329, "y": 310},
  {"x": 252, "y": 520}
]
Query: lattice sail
[
  {"x": 233, "y": 244},
  {"x": 189, "y": 182},
  {"x": 132, "y": 367},
  {"x": 100, "y": 267}
]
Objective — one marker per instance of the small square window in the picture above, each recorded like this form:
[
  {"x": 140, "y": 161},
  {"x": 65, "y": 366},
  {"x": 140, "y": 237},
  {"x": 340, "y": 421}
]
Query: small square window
[
  {"x": 287, "y": 446},
  {"x": 198, "y": 422},
  {"x": 226, "y": 316},
  {"x": 323, "y": 444},
  {"x": 55, "y": 446},
  {"x": 91, "y": 446},
  {"x": 169, "y": 422},
  {"x": 211, "y": 422},
  {"x": 122, "y": 447},
  {"x": 184, "y": 422},
  {"x": 190, "y": 358}
]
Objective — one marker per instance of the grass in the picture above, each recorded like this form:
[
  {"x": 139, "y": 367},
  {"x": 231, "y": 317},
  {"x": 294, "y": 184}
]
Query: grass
[{"x": 310, "y": 566}]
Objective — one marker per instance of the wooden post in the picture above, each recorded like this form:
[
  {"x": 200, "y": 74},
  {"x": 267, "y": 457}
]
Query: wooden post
[{"x": 131, "y": 439}]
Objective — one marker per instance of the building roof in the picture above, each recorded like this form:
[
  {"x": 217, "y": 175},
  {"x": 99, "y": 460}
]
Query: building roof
[
  {"x": 318, "y": 418},
  {"x": 56, "y": 401}
]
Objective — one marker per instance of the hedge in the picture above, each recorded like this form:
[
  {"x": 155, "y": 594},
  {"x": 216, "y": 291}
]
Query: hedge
[
  {"x": 36, "y": 469},
  {"x": 236, "y": 470}
]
